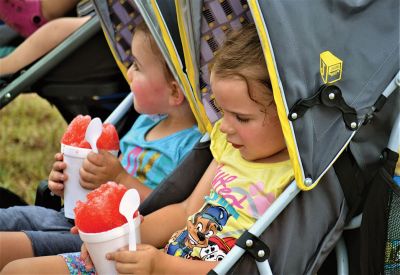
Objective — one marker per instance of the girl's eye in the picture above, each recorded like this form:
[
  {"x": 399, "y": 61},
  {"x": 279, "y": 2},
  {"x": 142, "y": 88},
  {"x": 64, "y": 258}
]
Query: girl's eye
[{"x": 241, "y": 119}]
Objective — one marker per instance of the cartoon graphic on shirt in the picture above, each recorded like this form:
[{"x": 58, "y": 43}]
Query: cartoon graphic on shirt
[
  {"x": 204, "y": 225},
  {"x": 216, "y": 250}
]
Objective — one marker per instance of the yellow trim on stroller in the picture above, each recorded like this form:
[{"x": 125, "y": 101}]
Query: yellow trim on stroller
[
  {"x": 174, "y": 58},
  {"x": 280, "y": 103},
  {"x": 120, "y": 65},
  {"x": 190, "y": 68}
]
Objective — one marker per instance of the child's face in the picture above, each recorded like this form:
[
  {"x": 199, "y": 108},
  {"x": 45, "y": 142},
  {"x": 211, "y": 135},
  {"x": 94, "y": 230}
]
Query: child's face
[
  {"x": 147, "y": 77},
  {"x": 256, "y": 134}
]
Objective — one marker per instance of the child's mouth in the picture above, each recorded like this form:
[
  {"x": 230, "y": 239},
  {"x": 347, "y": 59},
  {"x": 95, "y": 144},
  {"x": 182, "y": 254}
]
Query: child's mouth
[{"x": 236, "y": 145}]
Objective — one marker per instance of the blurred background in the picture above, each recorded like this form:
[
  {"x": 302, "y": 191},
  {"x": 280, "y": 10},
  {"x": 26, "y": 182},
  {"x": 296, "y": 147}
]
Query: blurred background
[{"x": 30, "y": 133}]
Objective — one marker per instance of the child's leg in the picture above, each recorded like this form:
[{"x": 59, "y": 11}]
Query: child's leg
[
  {"x": 38, "y": 265},
  {"x": 17, "y": 245},
  {"x": 40, "y": 43},
  {"x": 29, "y": 231}
]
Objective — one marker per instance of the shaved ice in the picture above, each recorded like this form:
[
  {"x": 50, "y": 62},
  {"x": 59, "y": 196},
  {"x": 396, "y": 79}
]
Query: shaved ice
[
  {"x": 101, "y": 210},
  {"x": 75, "y": 135},
  {"x": 109, "y": 138}
]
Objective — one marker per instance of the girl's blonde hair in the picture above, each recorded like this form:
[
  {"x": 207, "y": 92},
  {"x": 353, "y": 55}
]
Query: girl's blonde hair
[
  {"x": 142, "y": 27},
  {"x": 242, "y": 56}
]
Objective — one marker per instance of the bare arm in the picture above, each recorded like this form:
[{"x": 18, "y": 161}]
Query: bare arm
[
  {"x": 149, "y": 260},
  {"x": 102, "y": 167},
  {"x": 40, "y": 43},
  {"x": 159, "y": 226}
]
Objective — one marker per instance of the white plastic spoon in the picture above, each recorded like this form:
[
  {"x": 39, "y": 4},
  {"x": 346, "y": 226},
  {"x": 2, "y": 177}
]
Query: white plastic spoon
[
  {"x": 127, "y": 207},
  {"x": 93, "y": 132}
]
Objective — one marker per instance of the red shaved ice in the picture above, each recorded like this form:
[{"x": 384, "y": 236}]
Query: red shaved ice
[
  {"x": 75, "y": 135},
  {"x": 101, "y": 210},
  {"x": 76, "y": 130},
  {"x": 109, "y": 138}
]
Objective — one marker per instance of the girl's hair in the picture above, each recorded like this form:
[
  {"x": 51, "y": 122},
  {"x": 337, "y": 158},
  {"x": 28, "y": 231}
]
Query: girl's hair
[
  {"x": 142, "y": 27},
  {"x": 242, "y": 56}
]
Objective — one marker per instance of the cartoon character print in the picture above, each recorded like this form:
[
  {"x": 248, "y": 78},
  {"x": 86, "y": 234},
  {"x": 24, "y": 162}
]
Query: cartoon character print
[
  {"x": 212, "y": 253},
  {"x": 205, "y": 225},
  {"x": 217, "y": 248}
]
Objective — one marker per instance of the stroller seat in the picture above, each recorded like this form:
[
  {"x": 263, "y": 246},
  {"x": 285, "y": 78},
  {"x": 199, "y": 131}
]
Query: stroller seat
[
  {"x": 297, "y": 244},
  {"x": 301, "y": 228}
]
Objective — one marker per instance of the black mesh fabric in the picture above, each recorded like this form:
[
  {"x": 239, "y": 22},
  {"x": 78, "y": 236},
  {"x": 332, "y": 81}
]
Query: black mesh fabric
[
  {"x": 380, "y": 231},
  {"x": 392, "y": 248}
]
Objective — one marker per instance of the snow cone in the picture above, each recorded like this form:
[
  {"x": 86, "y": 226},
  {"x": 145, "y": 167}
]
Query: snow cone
[
  {"x": 102, "y": 227},
  {"x": 75, "y": 149}
]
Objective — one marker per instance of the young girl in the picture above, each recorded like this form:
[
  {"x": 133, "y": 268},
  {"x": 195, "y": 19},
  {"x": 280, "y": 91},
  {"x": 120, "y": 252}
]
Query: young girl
[
  {"x": 151, "y": 150},
  {"x": 250, "y": 169},
  {"x": 154, "y": 146}
]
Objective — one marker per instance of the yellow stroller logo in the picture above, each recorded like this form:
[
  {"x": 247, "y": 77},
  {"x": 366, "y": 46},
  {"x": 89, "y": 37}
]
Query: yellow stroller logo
[{"x": 330, "y": 67}]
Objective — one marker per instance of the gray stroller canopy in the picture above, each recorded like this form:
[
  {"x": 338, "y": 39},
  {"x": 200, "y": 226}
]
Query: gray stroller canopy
[{"x": 329, "y": 62}]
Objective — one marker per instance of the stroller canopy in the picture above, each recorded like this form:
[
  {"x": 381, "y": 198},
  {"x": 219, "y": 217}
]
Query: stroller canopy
[{"x": 329, "y": 62}]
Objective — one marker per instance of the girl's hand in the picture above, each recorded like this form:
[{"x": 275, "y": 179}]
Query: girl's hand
[
  {"x": 142, "y": 261},
  {"x": 85, "y": 257},
  {"x": 74, "y": 230},
  {"x": 100, "y": 168},
  {"x": 57, "y": 176}
]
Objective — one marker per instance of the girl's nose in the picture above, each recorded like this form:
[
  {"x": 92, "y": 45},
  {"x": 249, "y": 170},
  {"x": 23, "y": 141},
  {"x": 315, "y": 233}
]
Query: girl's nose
[
  {"x": 226, "y": 127},
  {"x": 130, "y": 75}
]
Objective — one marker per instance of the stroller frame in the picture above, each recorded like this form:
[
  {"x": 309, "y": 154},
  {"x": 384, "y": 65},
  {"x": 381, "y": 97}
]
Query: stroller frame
[
  {"x": 289, "y": 194},
  {"x": 291, "y": 191}
]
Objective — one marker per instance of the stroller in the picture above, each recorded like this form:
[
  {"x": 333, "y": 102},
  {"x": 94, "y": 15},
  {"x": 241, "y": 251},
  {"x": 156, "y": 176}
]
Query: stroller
[
  {"x": 333, "y": 116},
  {"x": 300, "y": 229}
]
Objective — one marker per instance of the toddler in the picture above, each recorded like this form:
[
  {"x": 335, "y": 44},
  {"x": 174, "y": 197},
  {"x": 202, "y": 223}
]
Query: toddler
[{"x": 150, "y": 151}]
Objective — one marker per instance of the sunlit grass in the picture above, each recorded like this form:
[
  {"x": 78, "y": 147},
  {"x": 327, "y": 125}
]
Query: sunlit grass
[{"x": 30, "y": 132}]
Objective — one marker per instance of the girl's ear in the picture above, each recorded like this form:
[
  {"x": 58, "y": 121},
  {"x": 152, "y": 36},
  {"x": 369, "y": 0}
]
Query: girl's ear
[{"x": 176, "y": 96}]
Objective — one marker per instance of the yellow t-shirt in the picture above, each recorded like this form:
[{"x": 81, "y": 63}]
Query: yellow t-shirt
[{"x": 241, "y": 192}]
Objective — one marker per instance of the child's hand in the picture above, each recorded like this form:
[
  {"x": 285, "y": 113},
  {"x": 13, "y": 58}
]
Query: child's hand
[
  {"x": 100, "y": 168},
  {"x": 57, "y": 177},
  {"x": 85, "y": 257},
  {"x": 74, "y": 230},
  {"x": 142, "y": 261}
]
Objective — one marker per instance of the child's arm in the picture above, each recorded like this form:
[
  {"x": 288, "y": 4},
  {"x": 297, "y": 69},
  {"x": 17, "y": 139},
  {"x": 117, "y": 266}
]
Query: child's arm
[
  {"x": 149, "y": 260},
  {"x": 40, "y": 43},
  {"x": 159, "y": 226},
  {"x": 102, "y": 167}
]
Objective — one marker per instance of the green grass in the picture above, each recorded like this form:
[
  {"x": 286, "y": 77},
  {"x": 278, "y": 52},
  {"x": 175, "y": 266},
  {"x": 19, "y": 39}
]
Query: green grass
[{"x": 30, "y": 133}]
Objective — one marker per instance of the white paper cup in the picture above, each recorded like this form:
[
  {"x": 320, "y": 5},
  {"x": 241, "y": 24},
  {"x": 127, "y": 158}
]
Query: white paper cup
[
  {"x": 73, "y": 191},
  {"x": 99, "y": 244}
]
